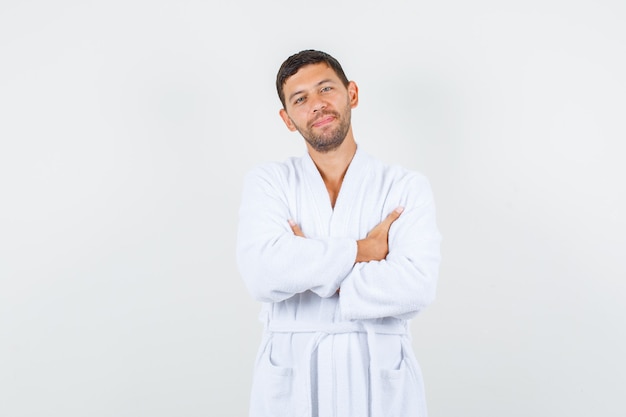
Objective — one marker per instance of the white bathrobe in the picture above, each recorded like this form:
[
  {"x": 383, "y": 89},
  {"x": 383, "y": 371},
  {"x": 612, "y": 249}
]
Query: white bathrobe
[{"x": 327, "y": 353}]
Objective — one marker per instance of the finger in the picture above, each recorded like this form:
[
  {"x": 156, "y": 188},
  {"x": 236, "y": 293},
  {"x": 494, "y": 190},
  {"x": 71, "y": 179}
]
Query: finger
[
  {"x": 295, "y": 228},
  {"x": 393, "y": 216}
]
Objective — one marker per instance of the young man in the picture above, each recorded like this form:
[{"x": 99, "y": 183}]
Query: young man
[{"x": 342, "y": 250}]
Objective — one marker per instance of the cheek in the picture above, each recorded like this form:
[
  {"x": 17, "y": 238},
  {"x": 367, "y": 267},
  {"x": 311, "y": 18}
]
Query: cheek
[{"x": 300, "y": 116}]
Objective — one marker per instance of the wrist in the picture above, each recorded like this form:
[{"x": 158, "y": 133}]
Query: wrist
[{"x": 361, "y": 251}]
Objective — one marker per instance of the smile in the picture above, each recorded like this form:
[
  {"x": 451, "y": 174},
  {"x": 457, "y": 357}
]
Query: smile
[{"x": 323, "y": 121}]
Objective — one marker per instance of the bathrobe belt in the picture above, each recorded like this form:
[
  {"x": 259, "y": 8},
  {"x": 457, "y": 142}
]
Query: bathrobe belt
[{"x": 321, "y": 330}]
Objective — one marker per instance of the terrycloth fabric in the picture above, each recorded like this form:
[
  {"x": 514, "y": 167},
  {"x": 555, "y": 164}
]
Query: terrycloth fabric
[{"x": 324, "y": 353}]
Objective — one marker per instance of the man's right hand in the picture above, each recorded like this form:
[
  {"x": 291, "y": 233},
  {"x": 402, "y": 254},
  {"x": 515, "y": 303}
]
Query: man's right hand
[{"x": 375, "y": 246}]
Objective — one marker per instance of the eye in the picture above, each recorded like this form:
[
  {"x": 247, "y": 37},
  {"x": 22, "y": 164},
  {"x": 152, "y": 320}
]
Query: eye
[
  {"x": 326, "y": 89},
  {"x": 299, "y": 100}
]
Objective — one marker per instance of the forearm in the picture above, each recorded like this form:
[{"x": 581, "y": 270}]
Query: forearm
[
  {"x": 396, "y": 286},
  {"x": 405, "y": 281},
  {"x": 276, "y": 269},
  {"x": 273, "y": 262}
]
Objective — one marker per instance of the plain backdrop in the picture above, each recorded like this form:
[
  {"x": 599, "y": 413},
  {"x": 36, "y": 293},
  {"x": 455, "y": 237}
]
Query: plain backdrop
[{"x": 126, "y": 128}]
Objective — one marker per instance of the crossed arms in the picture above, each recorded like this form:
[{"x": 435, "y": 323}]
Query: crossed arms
[
  {"x": 391, "y": 272},
  {"x": 375, "y": 246}
]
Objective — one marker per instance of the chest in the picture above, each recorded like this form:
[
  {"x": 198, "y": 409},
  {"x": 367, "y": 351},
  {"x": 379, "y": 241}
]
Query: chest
[{"x": 361, "y": 203}]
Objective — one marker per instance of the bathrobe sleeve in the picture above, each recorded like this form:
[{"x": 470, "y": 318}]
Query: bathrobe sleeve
[
  {"x": 405, "y": 282},
  {"x": 274, "y": 263}
]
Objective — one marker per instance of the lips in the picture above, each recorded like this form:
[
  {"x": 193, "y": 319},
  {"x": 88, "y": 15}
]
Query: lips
[{"x": 324, "y": 120}]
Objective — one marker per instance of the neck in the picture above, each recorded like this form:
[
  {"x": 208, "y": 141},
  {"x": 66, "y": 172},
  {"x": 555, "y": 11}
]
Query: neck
[{"x": 333, "y": 165}]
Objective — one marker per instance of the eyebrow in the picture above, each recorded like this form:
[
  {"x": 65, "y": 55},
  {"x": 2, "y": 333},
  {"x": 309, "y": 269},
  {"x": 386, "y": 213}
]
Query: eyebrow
[{"x": 327, "y": 80}]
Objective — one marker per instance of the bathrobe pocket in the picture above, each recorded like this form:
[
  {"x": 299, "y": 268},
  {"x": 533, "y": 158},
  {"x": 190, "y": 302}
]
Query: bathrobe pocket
[
  {"x": 272, "y": 387},
  {"x": 398, "y": 392}
]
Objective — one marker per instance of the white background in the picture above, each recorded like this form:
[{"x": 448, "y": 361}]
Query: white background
[{"x": 126, "y": 128}]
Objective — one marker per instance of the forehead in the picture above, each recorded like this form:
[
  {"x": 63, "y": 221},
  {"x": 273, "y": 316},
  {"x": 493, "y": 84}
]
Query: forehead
[{"x": 308, "y": 77}]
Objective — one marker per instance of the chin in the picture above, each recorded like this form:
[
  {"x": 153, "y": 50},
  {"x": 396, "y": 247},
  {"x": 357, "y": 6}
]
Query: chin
[{"x": 326, "y": 146}]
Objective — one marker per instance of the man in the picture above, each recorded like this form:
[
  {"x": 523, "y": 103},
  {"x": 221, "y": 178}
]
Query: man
[{"x": 342, "y": 250}]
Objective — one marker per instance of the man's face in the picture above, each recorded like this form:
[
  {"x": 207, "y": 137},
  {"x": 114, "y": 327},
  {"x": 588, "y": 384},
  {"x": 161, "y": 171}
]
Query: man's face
[{"x": 318, "y": 105}]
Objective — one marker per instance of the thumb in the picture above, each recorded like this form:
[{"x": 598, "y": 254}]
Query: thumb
[{"x": 393, "y": 216}]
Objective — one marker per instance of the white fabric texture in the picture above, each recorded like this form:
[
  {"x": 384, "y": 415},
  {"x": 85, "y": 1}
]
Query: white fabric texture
[{"x": 329, "y": 354}]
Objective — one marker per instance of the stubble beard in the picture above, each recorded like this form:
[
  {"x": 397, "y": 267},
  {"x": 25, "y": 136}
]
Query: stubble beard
[{"x": 330, "y": 140}]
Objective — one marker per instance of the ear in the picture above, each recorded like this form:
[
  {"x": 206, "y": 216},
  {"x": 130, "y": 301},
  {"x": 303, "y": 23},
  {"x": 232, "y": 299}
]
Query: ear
[
  {"x": 287, "y": 120},
  {"x": 353, "y": 93}
]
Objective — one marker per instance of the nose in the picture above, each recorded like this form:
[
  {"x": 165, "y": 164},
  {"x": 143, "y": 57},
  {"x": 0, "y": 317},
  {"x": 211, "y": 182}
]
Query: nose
[{"x": 318, "y": 104}]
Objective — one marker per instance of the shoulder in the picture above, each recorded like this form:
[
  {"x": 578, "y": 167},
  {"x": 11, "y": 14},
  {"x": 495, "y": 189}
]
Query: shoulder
[
  {"x": 396, "y": 184},
  {"x": 412, "y": 185},
  {"x": 276, "y": 169},
  {"x": 395, "y": 175},
  {"x": 274, "y": 173}
]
